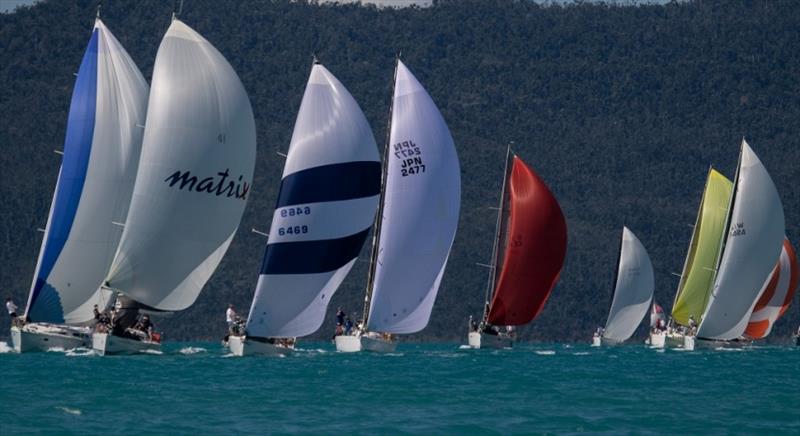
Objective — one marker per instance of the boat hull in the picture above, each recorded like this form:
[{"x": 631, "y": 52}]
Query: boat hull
[
  {"x": 606, "y": 342},
  {"x": 689, "y": 342},
  {"x": 714, "y": 344},
  {"x": 347, "y": 343},
  {"x": 674, "y": 339},
  {"x": 241, "y": 346},
  {"x": 658, "y": 339},
  {"x": 108, "y": 344},
  {"x": 481, "y": 340},
  {"x": 378, "y": 344},
  {"x": 43, "y": 337}
]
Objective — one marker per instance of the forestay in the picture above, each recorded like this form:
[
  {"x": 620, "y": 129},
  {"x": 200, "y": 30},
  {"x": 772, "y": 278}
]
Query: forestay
[
  {"x": 778, "y": 293},
  {"x": 194, "y": 177},
  {"x": 101, "y": 154},
  {"x": 633, "y": 291},
  {"x": 534, "y": 247},
  {"x": 326, "y": 205},
  {"x": 697, "y": 278},
  {"x": 754, "y": 235},
  {"x": 420, "y": 211}
]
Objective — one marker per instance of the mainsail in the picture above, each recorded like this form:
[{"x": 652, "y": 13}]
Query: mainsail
[
  {"x": 327, "y": 201},
  {"x": 778, "y": 293},
  {"x": 754, "y": 236},
  {"x": 534, "y": 246},
  {"x": 101, "y": 155},
  {"x": 633, "y": 291},
  {"x": 698, "y": 270},
  {"x": 194, "y": 175},
  {"x": 421, "y": 200}
]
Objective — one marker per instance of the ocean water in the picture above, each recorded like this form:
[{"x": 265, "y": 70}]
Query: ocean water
[{"x": 423, "y": 388}]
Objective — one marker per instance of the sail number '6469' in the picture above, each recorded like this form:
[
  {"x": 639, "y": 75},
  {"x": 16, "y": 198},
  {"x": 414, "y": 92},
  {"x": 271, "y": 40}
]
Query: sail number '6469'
[
  {"x": 410, "y": 156},
  {"x": 292, "y": 230}
]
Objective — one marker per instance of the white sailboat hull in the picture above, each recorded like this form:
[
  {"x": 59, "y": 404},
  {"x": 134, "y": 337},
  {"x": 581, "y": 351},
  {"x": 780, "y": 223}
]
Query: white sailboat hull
[
  {"x": 347, "y": 343},
  {"x": 608, "y": 342},
  {"x": 108, "y": 344},
  {"x": 43, "y": 337},
  {"x": 688, "y": 342},
  {"x": 674, "y": 339},
  {"x": 658, "y": 339},
  {"x": 479, "y": 340},
  {"x": 378, "y": 344},
  {"x": 596, "y": 341},
  {"x": 241, "y": 346}
]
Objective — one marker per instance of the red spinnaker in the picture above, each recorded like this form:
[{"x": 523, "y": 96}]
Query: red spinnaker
[
  {"x": 535, "y": 247},
  {"x": 777, "y": 296}
]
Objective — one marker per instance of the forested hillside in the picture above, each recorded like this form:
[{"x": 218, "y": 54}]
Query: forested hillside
[{"x": 621, "y": 110}]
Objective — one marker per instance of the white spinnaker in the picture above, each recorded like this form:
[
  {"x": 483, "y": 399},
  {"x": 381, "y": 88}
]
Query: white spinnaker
[
  {"x": 332, "y": 143},
  {"x": 633, "y": 291},
  {"x": 120, "y": 109},
  {"x": 420, "y": 212},
  {"x": 753, "y": 244},
  {"x": 200, "y": 126}
]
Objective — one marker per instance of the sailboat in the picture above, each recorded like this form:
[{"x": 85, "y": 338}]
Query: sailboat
[
  {"x": 416, "y": 221},
  {"x": 779, "y": 290},
  {"x": 697, "y": 276},
  {"x": 194, "y": 176},
  {"x": 327, "y": 202},
  {"x": 658, "y": 332},
  {"x": 100, "y": 158},
  {"x": 530, "y": 245},
  {"x": 753, "y": 238},
  {"x": 633, "y": 291}
]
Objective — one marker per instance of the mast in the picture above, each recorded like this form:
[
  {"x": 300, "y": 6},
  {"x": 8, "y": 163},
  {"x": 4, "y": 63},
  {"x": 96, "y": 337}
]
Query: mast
[
  {"x": 725, "y": 232},
  {"x": 691, "y": 241},
  {"x": 376, "y": 227},
  {"x": 492, "y": 281}
]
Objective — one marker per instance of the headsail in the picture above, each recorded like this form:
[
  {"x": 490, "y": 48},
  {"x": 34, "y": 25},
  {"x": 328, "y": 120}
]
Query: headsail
[
  {"x": 101, "y": 154},
  {"x": 698, "y": 270},
  {"x": 420, "y": 211},
  {"x": 778, "y": 293},
  {"x": 194, "y": 176},
  {"x": 633, "y": 291},
  {"x": 327, "y": 201},
  {"x": 754, "y": 235},
  {"x": 534, "y": 249}
]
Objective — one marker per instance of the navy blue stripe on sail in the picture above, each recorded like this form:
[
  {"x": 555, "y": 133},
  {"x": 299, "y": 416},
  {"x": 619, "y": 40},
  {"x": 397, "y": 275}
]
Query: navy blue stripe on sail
[
  {"x": 336, "y": 182},
  {"x": 312, "y": 257},
  {"x": 77, "y": 148}
]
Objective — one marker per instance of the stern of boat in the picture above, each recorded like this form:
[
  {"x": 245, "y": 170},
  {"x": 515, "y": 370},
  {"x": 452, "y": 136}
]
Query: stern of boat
[{"x": 347, "y": 343}]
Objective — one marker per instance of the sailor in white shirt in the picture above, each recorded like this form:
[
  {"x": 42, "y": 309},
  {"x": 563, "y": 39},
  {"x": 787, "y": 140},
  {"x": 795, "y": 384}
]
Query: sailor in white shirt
[{"x": 11, "y": 307}]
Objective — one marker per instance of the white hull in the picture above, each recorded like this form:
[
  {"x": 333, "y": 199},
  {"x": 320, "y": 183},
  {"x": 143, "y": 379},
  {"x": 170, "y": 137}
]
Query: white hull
[
  {"x": 658, "y": 339},
  {"x": 674, "y": 339},
  {"x": 688, "y": 342},
  {"x": 240, "y": 346},
  {"x": 347, "y": 343},
  {"x": 378, "y": 344},
  {"x": 43, "y": 337},
  {"x": 106, "y": 343},
  {"x": 482, "y": 340},
  {"x": 596, "y": 341}
]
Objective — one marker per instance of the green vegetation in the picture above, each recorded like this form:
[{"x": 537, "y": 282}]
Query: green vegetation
[{"x": 620, "y": 109}]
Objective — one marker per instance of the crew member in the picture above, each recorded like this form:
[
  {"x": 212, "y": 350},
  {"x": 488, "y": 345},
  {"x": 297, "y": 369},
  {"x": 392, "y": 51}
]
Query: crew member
[{"x": 11, "y": 308}]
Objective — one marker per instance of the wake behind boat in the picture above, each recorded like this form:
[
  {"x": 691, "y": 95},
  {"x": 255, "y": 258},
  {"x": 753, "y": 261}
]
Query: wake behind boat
[
  {"x": 416, "y": 222},
  {"x": 318, "y": 227},
  {"x": 95, "y": 183},
  {"x": 194, "y": 174},
  {"x": 530, "y": 245}
]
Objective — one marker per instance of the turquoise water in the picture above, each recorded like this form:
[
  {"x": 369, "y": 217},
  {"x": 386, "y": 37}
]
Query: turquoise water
[{"x": 441, "y": 388}]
